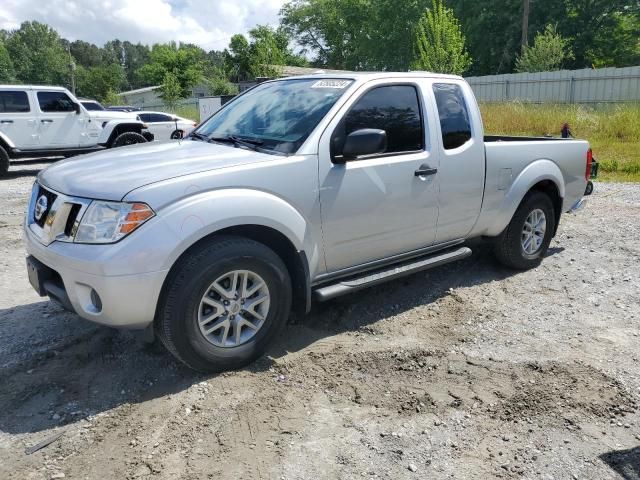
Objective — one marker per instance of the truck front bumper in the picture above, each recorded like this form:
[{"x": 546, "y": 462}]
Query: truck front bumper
[{"x": 123, "y": 301}]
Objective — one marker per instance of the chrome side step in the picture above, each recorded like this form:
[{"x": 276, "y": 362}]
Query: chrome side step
[{"x": 389, "y": 273}]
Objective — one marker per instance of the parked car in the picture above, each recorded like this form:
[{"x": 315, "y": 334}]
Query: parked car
[
  {"x": 298, "y": 189},
  {"x": 165, "y": 126},
  {"x": 123, "y": 108},
  {"x": 41, "y": 121},
  {"x": 91, "y": 105}
]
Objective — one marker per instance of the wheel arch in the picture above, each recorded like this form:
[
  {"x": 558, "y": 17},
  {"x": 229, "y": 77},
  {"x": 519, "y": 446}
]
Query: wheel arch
[
  {"x": 549, "y": 188},
  {"x": 6, "y": 143},
  {"x": 295, "y": 260},
  {"x": 112, "y": 129},
  {"x": 542, "y": 175}
]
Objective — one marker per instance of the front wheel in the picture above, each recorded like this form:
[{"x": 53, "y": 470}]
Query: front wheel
[
  {"x": 524, "y": 242},
  {"x": 224, "y": 304},
  {"x": 128, "y": 138}
]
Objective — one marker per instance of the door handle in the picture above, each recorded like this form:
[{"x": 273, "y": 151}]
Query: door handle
[
  {"x": 425, "y": 170},
  {"x": 6, "y": 121},
  {"x": 46, "y": 121}
]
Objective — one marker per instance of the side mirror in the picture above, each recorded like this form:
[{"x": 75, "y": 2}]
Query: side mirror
[
  {"x": 76, "y": 107},
  {"x": 366, "y": 141}
]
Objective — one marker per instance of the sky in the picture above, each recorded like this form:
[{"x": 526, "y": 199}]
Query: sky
[{"x": 207, "y": 23}]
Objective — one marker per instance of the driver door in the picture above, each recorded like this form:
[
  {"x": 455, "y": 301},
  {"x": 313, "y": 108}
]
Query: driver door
[{"x": 378, "y": 206}]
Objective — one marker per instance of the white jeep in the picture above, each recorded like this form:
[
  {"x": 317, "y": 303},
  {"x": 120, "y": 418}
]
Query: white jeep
[{"x": 42, "y": 121}]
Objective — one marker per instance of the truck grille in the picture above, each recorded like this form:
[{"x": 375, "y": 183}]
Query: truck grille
[{"x": 54, "y": 216}]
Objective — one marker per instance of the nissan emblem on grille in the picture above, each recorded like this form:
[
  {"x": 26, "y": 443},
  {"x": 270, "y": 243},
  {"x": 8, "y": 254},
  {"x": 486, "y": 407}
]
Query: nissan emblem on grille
[{"x": 41, "y": 207}]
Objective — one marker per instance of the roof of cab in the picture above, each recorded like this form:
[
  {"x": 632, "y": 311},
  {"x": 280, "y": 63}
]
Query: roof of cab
[
  {"x": 33, "y": 87},
  {"x": 366, "y": 76}
]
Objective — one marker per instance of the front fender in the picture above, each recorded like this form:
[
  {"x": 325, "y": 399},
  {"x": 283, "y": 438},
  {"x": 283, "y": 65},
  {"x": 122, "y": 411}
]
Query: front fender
[
  {"x": 4, "y": 139},
  {"x": 110, "y": 126},
  {"x": 532, "y": 174},
  {"x": 194, "y": 217}
]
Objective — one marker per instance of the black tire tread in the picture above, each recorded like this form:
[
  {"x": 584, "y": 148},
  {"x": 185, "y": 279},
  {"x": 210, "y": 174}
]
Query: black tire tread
[
  {"x": 4, "y": 162},
  {"x": 178, "y": 278},
  {"x": 137, "y": 135},
  {"x": 507, "y": 244}
]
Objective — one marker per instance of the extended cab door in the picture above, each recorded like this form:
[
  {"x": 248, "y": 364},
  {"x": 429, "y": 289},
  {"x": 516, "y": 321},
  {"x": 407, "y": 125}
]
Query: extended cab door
[
  {"x": 59, "y": 126},
  {"x": 18, "y": 118},
  {"x": 462, "y": 164},
  {"x": 377, "y": 206}
]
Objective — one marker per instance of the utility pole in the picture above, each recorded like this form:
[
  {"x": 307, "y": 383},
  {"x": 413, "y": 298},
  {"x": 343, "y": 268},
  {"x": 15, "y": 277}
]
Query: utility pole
[
  {"x": 525, "y": 24},
  {"x": 72, "y": 71}
]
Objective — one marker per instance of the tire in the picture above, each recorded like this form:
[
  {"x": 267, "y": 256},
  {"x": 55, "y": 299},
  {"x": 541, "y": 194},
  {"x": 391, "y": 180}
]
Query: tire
[
  {"x": 128, "y": 138},
  {"x": 182, "y": 307},
  {"x": 518, "y": 249},
  {"x": 177, "y": 135},
  {"x": 4, "y": 162}
]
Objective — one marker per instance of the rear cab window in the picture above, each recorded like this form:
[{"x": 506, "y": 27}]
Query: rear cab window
[
  {"x": 454, "y": 115},
  {"x": 55, "y": 102},
  {"x": 14, "y": 101}
]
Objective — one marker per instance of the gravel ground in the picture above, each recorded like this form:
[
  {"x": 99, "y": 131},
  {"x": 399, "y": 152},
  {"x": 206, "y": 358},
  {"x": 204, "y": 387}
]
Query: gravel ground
[{"x": 467, "y": 371}]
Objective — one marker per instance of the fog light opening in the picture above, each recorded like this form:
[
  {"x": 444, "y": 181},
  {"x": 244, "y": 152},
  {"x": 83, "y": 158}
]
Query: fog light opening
[{"x": 96, "y": 301}]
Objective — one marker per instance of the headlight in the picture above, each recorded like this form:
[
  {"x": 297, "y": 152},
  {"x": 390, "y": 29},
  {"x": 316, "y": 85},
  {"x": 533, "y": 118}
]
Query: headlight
[{"x": 108, "y": 222}]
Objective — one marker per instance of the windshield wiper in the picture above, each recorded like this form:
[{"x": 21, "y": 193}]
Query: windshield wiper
[
  {"x": 251, "y": 143},
  {"x": 199, "y": 136}
]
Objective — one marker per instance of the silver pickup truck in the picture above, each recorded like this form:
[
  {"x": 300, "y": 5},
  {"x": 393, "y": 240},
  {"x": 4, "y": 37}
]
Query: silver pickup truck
[{"x": 301, "y": 188}]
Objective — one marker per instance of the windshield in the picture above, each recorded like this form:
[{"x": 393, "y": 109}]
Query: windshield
[
  {"x": 280, "y": 115},
  {"x": 92, "y": 106}
]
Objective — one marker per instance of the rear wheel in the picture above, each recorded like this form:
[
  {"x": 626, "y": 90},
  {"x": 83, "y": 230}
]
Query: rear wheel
[
  {"x": 224, "y": 304},
  {"x": 525, "y": 241},
  {"x": 4, "y": 162},
  {"x": 128, "y": 138}
]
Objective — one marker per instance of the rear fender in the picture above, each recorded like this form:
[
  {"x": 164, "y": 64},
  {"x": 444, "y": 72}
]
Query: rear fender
[{"x": 532, "y": 174}]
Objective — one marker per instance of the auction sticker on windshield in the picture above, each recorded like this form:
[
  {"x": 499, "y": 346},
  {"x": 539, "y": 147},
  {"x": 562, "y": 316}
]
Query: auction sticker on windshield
[{"x": 331, "y": 84}]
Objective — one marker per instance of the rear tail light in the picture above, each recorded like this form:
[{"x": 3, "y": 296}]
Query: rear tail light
[{"x": 587, "y": 173}]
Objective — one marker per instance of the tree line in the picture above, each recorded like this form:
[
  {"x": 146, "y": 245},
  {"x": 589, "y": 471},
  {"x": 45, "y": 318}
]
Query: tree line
[{"x": 452, "y": 36}]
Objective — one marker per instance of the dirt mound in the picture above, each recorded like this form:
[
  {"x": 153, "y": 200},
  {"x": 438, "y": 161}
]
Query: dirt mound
[{"x": 413, "y": 381}]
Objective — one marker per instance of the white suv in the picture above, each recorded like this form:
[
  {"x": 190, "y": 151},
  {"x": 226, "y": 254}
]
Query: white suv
[{"x": 38, "y": 121}]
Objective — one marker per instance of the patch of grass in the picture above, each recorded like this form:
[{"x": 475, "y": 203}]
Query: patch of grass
[
  {"x": 188, "y": 111},
  {"x": 185, "y": 111},
  {"x": 613, "y": 131}
]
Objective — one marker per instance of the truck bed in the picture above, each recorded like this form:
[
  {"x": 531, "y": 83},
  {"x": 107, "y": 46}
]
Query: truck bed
[{"x": 510, "y": 157}]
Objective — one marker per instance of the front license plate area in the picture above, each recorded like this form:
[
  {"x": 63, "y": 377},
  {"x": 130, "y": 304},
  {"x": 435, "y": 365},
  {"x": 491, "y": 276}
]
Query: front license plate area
[{"x": 38, "y": 273}]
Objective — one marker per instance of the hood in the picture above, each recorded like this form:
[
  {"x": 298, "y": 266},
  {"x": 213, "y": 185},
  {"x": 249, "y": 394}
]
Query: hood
[
  {"x": 112, "y": 173},
  {"x": 106, "y": 115}
]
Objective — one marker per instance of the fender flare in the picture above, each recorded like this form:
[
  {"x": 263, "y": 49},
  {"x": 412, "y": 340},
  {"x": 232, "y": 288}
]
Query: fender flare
[
  {"x": 6, "y": 141},
  {"x": 107, "y": 131},
  {"x": 535, "y": 172}
]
